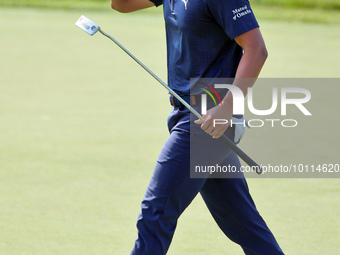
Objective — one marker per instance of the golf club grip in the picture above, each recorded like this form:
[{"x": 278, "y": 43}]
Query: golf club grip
[{"x": 241, "y": 154}]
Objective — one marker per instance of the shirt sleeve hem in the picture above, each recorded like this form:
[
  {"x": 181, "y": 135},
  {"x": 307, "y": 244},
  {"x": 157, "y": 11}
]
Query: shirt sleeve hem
[{"x": 157, "y": 2}]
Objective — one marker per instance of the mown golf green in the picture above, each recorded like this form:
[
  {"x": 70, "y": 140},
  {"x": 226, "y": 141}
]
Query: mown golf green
[{"x": 81, "y": 126}]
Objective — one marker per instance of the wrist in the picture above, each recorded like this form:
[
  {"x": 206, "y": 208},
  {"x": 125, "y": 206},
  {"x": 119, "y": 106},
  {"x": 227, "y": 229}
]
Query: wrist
[{"x": 227, "y": 101}]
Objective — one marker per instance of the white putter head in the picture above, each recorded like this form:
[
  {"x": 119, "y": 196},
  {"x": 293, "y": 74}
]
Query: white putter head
[{"x": 87, "y": 25}]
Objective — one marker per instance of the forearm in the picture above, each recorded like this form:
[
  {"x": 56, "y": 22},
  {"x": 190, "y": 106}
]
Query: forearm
[
  {"x": 117, "y": 4},
  {"x": 130, "y": 5}
]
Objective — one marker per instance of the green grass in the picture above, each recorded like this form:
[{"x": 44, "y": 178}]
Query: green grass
[
  {"x": 80, "y": 133},
  {"x": 298, "y": 14},
  {"x": 58, "y": 4},
  {"x": 312, "y": 4}
]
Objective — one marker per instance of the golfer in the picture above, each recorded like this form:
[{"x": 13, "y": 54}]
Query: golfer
[{"x": 205, "y": 39}]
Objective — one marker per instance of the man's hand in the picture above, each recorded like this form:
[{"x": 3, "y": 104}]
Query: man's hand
[{"x": 221, "y": 112}]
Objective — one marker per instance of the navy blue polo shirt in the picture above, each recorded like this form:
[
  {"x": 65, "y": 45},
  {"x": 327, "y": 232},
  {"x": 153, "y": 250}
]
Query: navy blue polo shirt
[{"x": 200, "y": 39}]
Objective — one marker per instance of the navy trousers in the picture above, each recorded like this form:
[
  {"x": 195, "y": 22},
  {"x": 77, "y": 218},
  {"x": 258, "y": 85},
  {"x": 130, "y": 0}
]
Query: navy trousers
[{"x": 171, "y": 190}]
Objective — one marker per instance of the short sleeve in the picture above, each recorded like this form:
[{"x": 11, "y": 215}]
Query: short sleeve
[
  {"x": 235, "y": 16},
  {"x": 157, "y": 2}
]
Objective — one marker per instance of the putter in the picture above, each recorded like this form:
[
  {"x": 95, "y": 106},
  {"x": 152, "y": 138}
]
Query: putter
[{"x": 91, "y": 28}]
